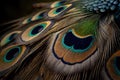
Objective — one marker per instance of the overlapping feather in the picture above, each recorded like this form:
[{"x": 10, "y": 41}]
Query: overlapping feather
[{"x": 62, "y": 41}]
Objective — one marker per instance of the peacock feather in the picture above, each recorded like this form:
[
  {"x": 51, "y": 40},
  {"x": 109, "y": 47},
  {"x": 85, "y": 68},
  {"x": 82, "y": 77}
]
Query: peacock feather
[{"x": 63, "y": 40}]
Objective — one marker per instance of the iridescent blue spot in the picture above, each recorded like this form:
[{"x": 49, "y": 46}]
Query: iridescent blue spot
[
  {"x": 40, "y": 16},
  {"x": 115, "y": 2},
  {"x": 12, "y": 36},
  {"x": 112, "y": 7},
  {"x": 119, "y": 4},
  {"x": 109, "y": 4},
  {"x": 75, "y": 44},
  {"x": 12, "y": 54},
  {"x": 102, "y": 5},
  {"x": 28, "y": 20},
  {"x": 111, "y": 1},
  {"x": 60, "y": 3},
  {"x": 102, "y": 10},
  {"x": 95, "y": 5}
]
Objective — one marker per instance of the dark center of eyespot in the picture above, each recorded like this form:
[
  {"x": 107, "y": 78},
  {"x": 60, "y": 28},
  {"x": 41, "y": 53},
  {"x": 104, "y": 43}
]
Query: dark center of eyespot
[
  {"x": 41, "y": 15},
  {"x": 77, "y": 43},
  {"x": 29, "y": 20},
  {"x": 59, "y": 9},
  {"x": 12, "y": 53},
  {"x": 117, "y": 63},
  {"x": 102, "y": 6},
  {"x": 37, "y": 29},
  {"x": 12, "y": 36}
]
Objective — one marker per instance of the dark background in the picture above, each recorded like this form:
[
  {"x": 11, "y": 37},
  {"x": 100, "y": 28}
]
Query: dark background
[{"x": 13, "y": 9}]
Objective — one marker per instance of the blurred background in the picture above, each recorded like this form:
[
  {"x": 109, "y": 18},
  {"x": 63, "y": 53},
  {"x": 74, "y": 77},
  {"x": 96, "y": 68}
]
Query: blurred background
[{"x": 13, "y": 9}]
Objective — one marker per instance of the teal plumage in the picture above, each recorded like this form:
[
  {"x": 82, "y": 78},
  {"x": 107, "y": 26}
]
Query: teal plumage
[{"x": 63, "y": 40}]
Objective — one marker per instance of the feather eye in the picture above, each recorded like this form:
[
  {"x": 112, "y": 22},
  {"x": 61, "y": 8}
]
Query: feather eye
[
  {"x": 57, "y": 3},
  {"x": 52, "y": 13},
  {"x": 74, "y": 47},
  {"x": 8, "y": 38},
  {"x": 113, "y": 66},
  {"x": 71, "y": 37},
  {"x": 58, "y": 10},
  {"x": 28, "y": 20},
  {"x": 81, "y": 47},
  {"x": 35, "y": 30},
  {"x": 11, "y": 55},
  {"x": 38, "y": 16}
]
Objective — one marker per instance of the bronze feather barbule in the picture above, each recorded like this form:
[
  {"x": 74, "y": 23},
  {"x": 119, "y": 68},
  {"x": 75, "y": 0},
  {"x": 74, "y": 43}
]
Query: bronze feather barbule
[{"x": 63, "y": 40}]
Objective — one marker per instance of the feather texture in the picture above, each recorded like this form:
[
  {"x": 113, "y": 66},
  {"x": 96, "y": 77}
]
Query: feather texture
[{"x": 64, "y": 40}]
